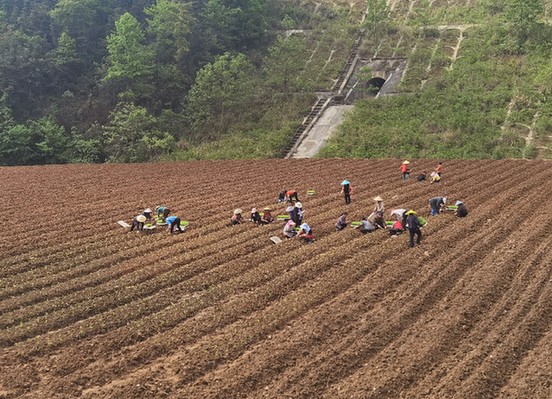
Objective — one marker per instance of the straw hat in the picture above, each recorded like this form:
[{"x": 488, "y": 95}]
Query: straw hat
[
  {"x": 406, "y": 163},
  {"x": 148, "y": 210},
  {"x": 141, "y": 218},
  {"x": 266, "y": 209},
  {"x": 378, "y": 199},
  {"x": 458, "y": 203},
  {"x": 411, "y": 212},
  {"x": 237, "y": 211},
  {"x": 298, "y": 205}
]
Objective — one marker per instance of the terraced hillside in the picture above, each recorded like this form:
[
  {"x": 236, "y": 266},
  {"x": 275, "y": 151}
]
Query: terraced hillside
[{"x": 89, "y": 310}]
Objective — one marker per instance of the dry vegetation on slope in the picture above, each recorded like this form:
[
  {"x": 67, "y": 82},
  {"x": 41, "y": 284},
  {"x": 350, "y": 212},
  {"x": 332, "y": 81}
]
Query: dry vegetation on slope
[{"x": 88, "y": 310}]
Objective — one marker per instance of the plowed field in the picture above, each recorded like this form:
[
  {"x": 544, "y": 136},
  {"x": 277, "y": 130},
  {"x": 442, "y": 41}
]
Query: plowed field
[{"x": 90, "y": 310}]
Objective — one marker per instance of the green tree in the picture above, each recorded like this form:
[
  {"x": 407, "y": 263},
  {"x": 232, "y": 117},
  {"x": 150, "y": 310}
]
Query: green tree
[
  {"x": 221, "y": 92},
  {"x": 523, "y": 15},
  {"x": 132, "y": 135},
  {"x": 66, "y": 51},
  {"x": 238, "y": 25},
  {"x": 281, "y": 67},
  {"x": 86, "y": 22},
  {"x": 130, "y": 60},
  {"x": 169, "y": 25}
]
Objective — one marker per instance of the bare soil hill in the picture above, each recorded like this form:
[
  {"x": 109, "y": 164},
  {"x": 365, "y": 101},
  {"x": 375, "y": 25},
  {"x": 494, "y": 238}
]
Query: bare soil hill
[{"x": 89, "y": 310}]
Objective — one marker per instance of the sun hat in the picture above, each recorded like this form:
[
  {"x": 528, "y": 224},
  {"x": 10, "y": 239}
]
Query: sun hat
[
  {"x": 157, "y": 207},
  {"x": 141, "y": 218},
  {"x": 253, "y": 210},
  {"x": 289, "y": 209},
  {"x": 406, "y": 163},
  {"x": 290, "y": 222},
  {"x": 444, "y": 200},
  {"x": 148, "y": 210},
  {"x": 298, "y": 205},
  {"x": 237, "y": 211},
  {"x": 458, "y": 203},
  {"x": 411, "y": 212},
  {"x": 266, "y": 209},
  {"x": 345, "y": 182},
  {"x": 378, "y": 198}
]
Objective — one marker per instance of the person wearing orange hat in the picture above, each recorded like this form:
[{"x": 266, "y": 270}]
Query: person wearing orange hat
[{"x": 405, "y": 169}]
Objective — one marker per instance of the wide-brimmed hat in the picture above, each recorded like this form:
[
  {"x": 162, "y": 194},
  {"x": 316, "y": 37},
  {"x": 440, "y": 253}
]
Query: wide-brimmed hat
[
  {"x": 267, "y": 209},
  {"x": 406, "y": 163},
  {"x": 157, "y": 207},
  {"x": 458, "y": 203},
  {"x": 289, "y": 209},
  {"x": 148, "y": 210},
  {"x": 345, "y": 182},
  {"x": 141, "y": 218},
  {"x": 237, "y": 211},
  {"x": 411, "y": 212},
  {"x": 298, "y": 205},
  {"x": 378, "y": 198}
]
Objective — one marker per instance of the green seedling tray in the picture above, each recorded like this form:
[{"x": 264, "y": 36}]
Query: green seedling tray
[
  {"x": 184, "y": 223},
  {"x": 389, "y": 223},
  {"x": 282, "y": 217},
  {"x": 311, "y": 192},
  {"x": 452, "y": 208},
  {"x": 356, "y": 223}
]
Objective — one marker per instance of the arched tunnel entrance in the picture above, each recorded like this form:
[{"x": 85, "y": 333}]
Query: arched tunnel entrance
[{"x": 374, "y": 85}]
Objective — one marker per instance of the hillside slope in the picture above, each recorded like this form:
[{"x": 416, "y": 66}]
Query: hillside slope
[{"x": 89, "y": 310}]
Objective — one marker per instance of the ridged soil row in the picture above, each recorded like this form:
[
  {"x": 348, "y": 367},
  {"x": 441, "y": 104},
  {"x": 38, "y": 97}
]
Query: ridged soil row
[
  {"x": 306, "y": 334},
  {"x": 454, "y": 320},
  {"x": 271, "y": 282},
  {"x": 485, "y": 362}
]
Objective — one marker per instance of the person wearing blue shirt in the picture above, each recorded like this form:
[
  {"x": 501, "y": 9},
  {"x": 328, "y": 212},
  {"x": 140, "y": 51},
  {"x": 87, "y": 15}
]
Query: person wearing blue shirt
[{"x": 173, "y": 221}]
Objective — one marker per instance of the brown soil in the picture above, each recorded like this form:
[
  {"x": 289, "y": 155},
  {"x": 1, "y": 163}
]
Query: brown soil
[{"x": 89, "y": 310}]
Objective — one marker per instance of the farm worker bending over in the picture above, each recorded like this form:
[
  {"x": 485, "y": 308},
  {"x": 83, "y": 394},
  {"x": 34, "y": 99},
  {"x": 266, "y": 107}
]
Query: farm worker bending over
[
  {"x": 292, "y": 195},
  {"x": 436, "y": 203},
  {"x": 162, "y": 212},
  {"x": 305, "y": 233},
  {"x": 400, "y": 214},
  {"x": 172, "y": 222},
  {"x": 267, "y": 216},
  {"x": 297, "y": 213},
  {"x": 346, "y": 190},
  {"x": 422, "y": 176},
  {"x": 397, "y": 228},
  {"x": 289, "y": 229},
  {"x": 439, "y": 169},
  {"x": 413, "y": 227},
  {"x": 380, "y": 207},
  {"x": 147, "y": 213},
  {"x": 255, "y": 216},
  {"x": 341, "y": 222},
  {"x": 282, "y": 196},
  {"x": 138, "y": 222},
  {"x": 405, "y": 169},
  {"x": 237, "y": 217},
  {"x": 435, "y": 178},
  {"x": 366, "y": 226},
  {"x": 462, "y": 211},
  {"x": 377, "y": 220}
]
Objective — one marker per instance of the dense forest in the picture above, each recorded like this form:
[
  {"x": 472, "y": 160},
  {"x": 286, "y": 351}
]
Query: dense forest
[
  {"x": 130, "y": 81},
  {"x": 135, "y": 81}
]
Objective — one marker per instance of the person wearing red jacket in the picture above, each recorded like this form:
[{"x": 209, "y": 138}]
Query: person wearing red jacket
[{"x": 405, "y": 169}]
